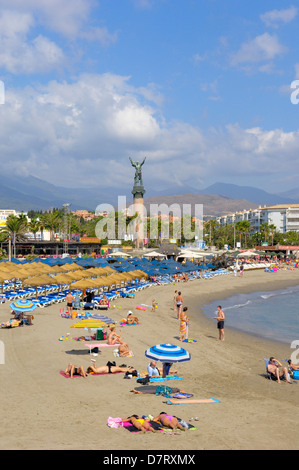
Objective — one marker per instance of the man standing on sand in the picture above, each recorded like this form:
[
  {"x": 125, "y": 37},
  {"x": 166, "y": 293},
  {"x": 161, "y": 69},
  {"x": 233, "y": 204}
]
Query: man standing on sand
[
  {"x": 69, "y": 302},
  {"x": 220, "y": 322}
]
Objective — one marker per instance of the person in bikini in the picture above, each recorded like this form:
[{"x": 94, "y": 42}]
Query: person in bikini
[
  {"x": 169, "y": 421},
  {"x": 113, "y": 337},
  {"x": 109, "y": 368},
  {"x": 132, "y": 319},
  {"x": 140, "y": 423},
  {"x": 72, "y": 370},
  {"x": 179, "y": 304}
]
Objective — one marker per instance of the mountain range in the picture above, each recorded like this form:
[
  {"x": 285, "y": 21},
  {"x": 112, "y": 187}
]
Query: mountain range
[{"x": 31, "y": 193}]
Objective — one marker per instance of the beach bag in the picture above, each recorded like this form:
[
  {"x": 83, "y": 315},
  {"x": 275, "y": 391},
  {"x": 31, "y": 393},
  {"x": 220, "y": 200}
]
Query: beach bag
[
  {"x": 114, "y": 422},
  {"x": 163, "y": 390},
  {"x": 95, "y": 350},
  {"x": 101, "y": 334},
  {"x": 143, "y": 381}
]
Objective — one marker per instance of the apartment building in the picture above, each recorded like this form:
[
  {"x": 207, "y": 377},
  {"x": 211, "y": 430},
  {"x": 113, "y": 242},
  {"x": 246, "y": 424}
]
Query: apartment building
[{"x": 285, "y": 217}]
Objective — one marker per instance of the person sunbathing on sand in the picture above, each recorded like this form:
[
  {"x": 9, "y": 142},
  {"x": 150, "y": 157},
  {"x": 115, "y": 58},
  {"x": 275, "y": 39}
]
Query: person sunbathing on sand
[
  {"x": 169, "y": 421},
  {"x": 109, "y": 368},
  {"x": 140, "y": 423},
  {"x": 72, "y": 370},
  {"x": 123, "y": 349}
]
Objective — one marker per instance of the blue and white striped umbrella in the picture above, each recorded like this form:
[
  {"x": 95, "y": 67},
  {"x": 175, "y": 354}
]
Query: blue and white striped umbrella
[
  {"x": 167, "y": 353},
  {"x": 23, "y": 305}
]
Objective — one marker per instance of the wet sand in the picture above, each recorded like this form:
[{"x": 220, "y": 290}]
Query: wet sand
[{"x": 40, "y": 409}]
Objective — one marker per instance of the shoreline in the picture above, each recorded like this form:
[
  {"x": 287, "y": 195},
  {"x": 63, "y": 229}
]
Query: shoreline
[
  {"x": 263, "y": 286},
  {"x": 52, "y": 412}
]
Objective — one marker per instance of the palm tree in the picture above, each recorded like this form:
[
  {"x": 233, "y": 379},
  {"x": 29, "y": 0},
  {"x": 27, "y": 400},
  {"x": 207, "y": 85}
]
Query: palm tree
[
  {"x": 265, "y": 229},
  {"x": 272, "y": 230},
  {"x": 51, "y": 222},
  {"x": 15, "y": 230},
  {"x": 34, "y": 226}
]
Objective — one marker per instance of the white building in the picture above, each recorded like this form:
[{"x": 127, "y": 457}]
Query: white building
[
  {"x": 4, "y": 213},
  {"x": 285, "y": 217}
]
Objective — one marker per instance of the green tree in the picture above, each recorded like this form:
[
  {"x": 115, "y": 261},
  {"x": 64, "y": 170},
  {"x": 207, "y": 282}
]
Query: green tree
[{"x": 15, "y": 230}]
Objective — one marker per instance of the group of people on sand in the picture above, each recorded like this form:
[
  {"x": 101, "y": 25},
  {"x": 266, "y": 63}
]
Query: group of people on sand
[
  {"x": 145, "y": 424},
  {"x": 116, "y": 339},
  {"x": 181, "y": 314},
  {"x": 184, "y": 319},
  {"x": 278, "y": 372}
]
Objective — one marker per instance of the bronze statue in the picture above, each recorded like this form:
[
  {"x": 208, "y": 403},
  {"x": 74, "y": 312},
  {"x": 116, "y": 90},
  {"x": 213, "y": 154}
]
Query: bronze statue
[{"x": 138, "y": 172}]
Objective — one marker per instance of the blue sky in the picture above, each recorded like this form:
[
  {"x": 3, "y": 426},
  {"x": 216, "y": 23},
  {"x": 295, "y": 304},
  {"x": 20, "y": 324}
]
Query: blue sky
[{"x": 199, "y": 87}]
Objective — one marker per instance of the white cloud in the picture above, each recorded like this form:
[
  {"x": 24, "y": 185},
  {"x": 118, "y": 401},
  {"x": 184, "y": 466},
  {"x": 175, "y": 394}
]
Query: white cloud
[
  {"x": 18, "y": 53},
  {"x": 65, "y": 17},
  {"x": 274, "y": 17},
  {"x": 262, "y": 48},
  {"x": 83, "y": 133}
]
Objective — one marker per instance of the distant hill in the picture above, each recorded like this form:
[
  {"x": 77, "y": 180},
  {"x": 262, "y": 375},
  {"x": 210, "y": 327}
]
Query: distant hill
[
  {"x": 258, "y": 196},
  {"x": 292, "y": 193},
  {"x": 213, "y": 204},
  {"x": 25, "y": 193}
]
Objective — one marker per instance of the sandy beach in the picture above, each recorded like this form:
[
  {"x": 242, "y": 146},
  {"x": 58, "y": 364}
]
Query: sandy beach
[{"x": 40, "y": 409}]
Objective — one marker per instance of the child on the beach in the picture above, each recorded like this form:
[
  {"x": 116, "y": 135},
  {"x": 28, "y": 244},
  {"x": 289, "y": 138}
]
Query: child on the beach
[{"x": 154, "y": 305}]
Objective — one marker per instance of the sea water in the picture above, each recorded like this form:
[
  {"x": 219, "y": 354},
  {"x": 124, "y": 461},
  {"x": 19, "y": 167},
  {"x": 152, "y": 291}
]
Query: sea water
[{"x": 271, "y": 314}]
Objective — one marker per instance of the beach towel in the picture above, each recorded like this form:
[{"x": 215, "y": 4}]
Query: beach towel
[
  {"x": 160, "y": 379},
  {"x": 67, "y": 376},
  {"x": 129, "y": 426},
  {"x": 191, "y": 401},
  {"x": 124, "y": 323},
  {"x": 116, "y": 353},
  {"x": 151, "y": 389},
  {"x": 91, "y": 373}
]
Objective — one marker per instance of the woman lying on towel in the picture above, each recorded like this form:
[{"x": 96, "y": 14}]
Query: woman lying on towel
[
  {"x": 124, "y": 350},
  {"x": 139, "y": 423},
  {"x": 169, "y": 421},
  {"x": 72, "y": 370},
  {"x": 109, "y": 368}
]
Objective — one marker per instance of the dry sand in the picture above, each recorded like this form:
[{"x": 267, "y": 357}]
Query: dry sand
[{"x": 40, "y": 409}]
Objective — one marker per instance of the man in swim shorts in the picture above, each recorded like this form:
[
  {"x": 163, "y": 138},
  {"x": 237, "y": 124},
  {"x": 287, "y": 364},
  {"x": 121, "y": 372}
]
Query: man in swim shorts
[
  {"x": 69, "y": 302},
  {"x": 220, "y": 322}
]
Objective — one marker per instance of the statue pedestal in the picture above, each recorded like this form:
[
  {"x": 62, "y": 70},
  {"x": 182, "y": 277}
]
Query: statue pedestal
[{"x": 138, "y": 193}]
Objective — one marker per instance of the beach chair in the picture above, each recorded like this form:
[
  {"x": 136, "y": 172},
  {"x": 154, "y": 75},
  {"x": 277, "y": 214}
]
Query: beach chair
[{"x": 269, "y": 375}]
